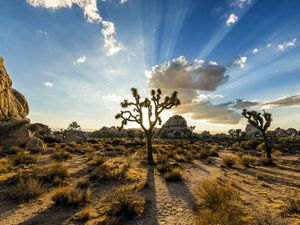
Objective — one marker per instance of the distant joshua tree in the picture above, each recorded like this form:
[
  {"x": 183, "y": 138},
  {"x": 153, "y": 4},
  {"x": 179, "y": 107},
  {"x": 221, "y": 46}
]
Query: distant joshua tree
[
  {"x": 74, "y": 126},
  {"x": 262, "y": 122},
  {"x": 231, "y": 133},
  {"x": 154, "y": 108},
  {"x": 191, "y": 133}
]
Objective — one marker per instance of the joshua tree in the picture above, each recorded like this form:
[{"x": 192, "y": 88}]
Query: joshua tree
[
  {"x": 74, "y": 126},
  {"x": 262, "y": 122},
  {"x": 231, "y": 133},
  {"x": 191, "y": 133},
  {"x": 154, "y": 108}
]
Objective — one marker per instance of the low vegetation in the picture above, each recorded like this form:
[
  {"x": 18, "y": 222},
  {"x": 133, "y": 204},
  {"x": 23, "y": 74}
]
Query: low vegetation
[{"x": 70, "y": 196}]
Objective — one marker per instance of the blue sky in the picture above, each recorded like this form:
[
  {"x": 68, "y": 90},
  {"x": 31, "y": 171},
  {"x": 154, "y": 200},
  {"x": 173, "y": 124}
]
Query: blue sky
[{"x": 75, "y": 60}]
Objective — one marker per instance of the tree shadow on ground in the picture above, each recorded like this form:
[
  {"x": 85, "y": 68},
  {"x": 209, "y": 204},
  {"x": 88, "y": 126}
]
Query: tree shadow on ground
[
  {"x": 54, "y": 215},
  {"x": 149, "y": 216},
  {"x": 181, "y": 190},
  {"x": 268, "y": 177}
]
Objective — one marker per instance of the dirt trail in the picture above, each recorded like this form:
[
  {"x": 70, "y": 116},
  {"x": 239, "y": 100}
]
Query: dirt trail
[{"x": 174, "y": 203}]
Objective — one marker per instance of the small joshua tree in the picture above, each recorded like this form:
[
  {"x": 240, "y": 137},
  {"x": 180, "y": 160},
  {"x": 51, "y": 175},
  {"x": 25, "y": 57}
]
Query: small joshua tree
[
  {"x": 154, "y": 107},
  {"x": 262, "y": 122},
  {"x": 191, "y": 133},
  {"x": 74, "y": 126},
  {"x": 231, "y": 133}
]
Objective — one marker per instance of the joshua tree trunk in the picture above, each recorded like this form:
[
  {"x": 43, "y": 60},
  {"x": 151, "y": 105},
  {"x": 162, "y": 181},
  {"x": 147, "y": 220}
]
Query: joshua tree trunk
[
  {"x": 149, "y": 148},
  {"x": 267, "y": 148}
]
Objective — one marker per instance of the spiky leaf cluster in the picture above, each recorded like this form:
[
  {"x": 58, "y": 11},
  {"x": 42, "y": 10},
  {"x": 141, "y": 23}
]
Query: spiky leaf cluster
[
  {"x": 258, "y": 120},
  {"x": 154, "y": 106}
]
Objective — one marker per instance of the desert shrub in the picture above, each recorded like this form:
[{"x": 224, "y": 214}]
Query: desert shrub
[
  {"x": 27, "y": 189},
  {"x": 214, "y": 195},
  {"x": 24, "y": 157},
  {"x": 213, "y": 152},
  {"x": 122, "y": 205},
  {"x": 5, "y": 165},
  {"x": 292, "y": 204},
  {"x": 174, "y": 174},
  {"x": 85, "y": 214},
  {"x": 229, "y": 215},
  {"x": 203, "y": 154},
  {"x": 95, "y": 160},
  {"x": 250, "y": 144},
  {"x": 229, "y": 161},
  {"x": 61, "y": 155},
  {"x": 12, "y": 150},
  {"x": 218, "y": 205},
  {"x": 54, "y": 173},
  {"x": 70, "y": 196},
  {"x": 106, "y": 173},
  {"x": 179, "y": 158},
  {"x": 247, "y": 160},
  {"x": 167, "y": 166},
  {"x": 82, "y": 183}
]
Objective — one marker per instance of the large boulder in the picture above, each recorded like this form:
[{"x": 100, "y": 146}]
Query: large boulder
[
  {"x": 39, "y": 129},
  {"x": 175, "y": 127},
  {"x": 35, "y": 145},
  {"x": 252, "y": 131},
  {"x": 281, "y": 132},
  {"x": 75, "y": 136},
  {"x": 13, "y": 104},
  {"x": 14, "y": 133},
  {"x": 292, "y": 132}
]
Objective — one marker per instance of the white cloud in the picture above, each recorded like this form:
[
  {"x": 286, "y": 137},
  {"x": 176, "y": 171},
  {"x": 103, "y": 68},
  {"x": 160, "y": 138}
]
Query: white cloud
[
  {"x": 241, "y": 3},
  {"x": 255, "y": 51},
  {"x": 110, "y": 43},
  {"x": 240, "y": 61},
  {"x": 293, "y": 100},
  {"x": 91, "y": 14},
  {"x": 180, "y": 73},
  {"x": 89, "y": 7},
  {"x": 232, "y": 19},
  {"x": 269, "y": 45},
  {"x": 80, "y": 60},
  {"x": 287, "y": 44},
  {"x": 48, "y": 84},
  {"x": 42, "y": 34},
  {"x": 123, "y": 2}
]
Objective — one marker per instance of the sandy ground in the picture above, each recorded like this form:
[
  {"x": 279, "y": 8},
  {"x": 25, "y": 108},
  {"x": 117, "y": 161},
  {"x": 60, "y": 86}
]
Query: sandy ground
[{"x": 166, "y": 203}]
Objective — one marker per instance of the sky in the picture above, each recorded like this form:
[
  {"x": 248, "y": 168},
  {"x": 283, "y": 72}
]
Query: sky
[{"x": 76, "y": 60}]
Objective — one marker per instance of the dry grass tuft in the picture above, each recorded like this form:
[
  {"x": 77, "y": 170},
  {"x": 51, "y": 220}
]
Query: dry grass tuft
[
  {"x": 122, "y": 205},
  {"x": 27, "y": 189},
  {"x": 85, "y": 214},
  {"x": 24, "y": 157},
  {"x": 61, "y": 155},
  {"x": 229, "y": 161},
  {"x": 70, "y": 196},
  {"x": 55, "y": 174},
  {"x": 292, "y": 204},
  {"x": 218, "y": 204},
  {"x": 174, "y": 174},
  {"x": 5, "y": 165}
]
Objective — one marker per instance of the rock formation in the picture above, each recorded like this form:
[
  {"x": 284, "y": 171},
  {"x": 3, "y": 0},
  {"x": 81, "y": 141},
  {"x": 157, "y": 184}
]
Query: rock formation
[
  {"x": 13, "y": 104},
  {"x": 175, "y": 127},
  {"x": 251, "y": 131},
  {"x": 14, "y": 126},
  {"x": 75, "y": 136}
]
